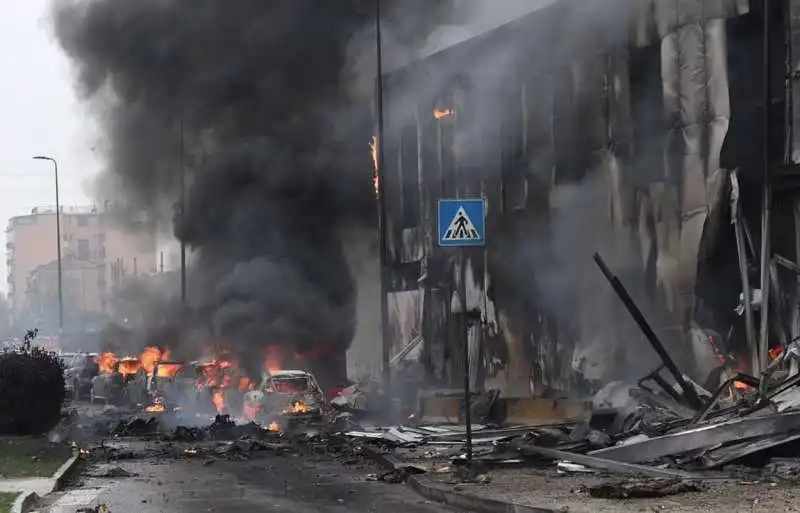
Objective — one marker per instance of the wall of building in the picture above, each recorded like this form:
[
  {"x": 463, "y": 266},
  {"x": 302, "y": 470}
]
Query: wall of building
[
  {"x": 83, "y": 293},
  {"x": 582, "y": 138},
  {"x": 98, "y": 251}
]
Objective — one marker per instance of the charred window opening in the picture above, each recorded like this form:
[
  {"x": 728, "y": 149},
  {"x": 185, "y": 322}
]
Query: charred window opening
[
  {"x": 647, "y": 115},
  {"x": 446, "y": 136},
  {"x": 409, "y": 172},
  {"x": 743, "y": 141},
  {"x": 513, "y": 136},
  {"x": 538, "y": 137},
  {"x": 565, "y": 114},
  {"x": 453, "y": 119}
]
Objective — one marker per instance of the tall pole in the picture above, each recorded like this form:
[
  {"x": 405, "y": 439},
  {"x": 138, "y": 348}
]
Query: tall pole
[
  {"x": 381, "y": 194},
  {"x": 462, "y": 296},
  {"x": 762, "y": 359},
  {"x": 183, "y": 213},
  {"x": 58, "y": 244}
]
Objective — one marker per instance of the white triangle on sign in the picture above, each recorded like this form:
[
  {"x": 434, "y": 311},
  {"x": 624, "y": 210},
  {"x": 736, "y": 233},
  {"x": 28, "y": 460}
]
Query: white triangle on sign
[{"x": 461, "y": 228}]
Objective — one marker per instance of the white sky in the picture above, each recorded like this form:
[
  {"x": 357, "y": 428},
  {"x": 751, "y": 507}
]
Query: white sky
[{"x": 39, "y": 114}]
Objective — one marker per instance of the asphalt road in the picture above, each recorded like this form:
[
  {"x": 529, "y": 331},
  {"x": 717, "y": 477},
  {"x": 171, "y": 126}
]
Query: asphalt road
[{"x": 290, "y": 483}]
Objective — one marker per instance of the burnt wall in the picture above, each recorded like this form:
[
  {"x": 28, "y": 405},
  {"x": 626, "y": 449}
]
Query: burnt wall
[{"x": 574, "y": 151}]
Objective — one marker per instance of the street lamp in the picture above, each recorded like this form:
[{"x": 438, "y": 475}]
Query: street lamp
[{"x": 58, "y": 244}]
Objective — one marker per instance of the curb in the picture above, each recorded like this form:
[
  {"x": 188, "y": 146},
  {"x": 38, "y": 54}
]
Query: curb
[
  {"x": 443, "y": 495},
  {"x": 24, "y": 501},
  {"x": 65, "y": 471},
  {"x": 468, "y": 501}
]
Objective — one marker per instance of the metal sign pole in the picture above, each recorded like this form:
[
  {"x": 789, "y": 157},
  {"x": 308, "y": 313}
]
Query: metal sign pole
[
  {"x": 465, "y": 335},
  {"x": 462, "y": 224}
]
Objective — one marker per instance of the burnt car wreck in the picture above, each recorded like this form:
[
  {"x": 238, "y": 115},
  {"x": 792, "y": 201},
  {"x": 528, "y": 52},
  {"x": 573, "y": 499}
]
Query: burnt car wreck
[{"x": 291, "y": 394}]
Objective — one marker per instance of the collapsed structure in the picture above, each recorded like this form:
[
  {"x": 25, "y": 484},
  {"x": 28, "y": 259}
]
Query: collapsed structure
[{"x": 626, "y": 127}]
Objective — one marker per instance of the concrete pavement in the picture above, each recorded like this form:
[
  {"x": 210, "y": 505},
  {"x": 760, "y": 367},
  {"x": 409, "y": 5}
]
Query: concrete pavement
[{"x": 291, "y": 483}]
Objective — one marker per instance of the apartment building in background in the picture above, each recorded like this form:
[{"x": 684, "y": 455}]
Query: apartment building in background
[{"x": 97, "y": 253}]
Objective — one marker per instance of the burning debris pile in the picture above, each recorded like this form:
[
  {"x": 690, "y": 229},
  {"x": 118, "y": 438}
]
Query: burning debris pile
[{"x": 665, "y": 428}]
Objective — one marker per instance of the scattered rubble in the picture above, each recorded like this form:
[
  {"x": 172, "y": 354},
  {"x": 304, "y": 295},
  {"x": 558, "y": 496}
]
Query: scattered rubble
[
  {"x": 663, "y": 435},
  {"x": 642, "y": 489}
]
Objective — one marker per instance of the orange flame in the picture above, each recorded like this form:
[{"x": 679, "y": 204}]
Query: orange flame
[
  {"x": 373, "y": 150},
  {"x": 168, "y": 370},
  {"x": 775, "y": 353},
  {"x": 245, "y": 384},
  {"x": 272, "y": 362},
  {"x": 297, "y": 407},
  {"x": 274, "y": 427},
  {"x": 150, "y": 357},
  {"x": 158, "y": 406},
  {"x": 442, "y": 113},
  {"x": 106, "y": 361},
  {"x": 129, "y": 366},
  {"x": 219, "y": 401}
]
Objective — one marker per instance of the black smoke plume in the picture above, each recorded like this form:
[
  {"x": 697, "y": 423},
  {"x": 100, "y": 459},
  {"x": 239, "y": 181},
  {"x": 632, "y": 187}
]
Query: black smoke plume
[{"x": 253, "y": 94}]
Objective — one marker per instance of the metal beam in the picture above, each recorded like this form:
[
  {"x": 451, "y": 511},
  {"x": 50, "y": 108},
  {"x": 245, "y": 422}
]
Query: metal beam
[
  {"x": 701, "y": 437},
  {"x": 688, "y": 392},
  {"x": 610, "y": 465}
]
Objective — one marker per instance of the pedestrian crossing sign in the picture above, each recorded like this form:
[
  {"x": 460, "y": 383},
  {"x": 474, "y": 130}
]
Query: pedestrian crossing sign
[{"x": 462, "y": 222}]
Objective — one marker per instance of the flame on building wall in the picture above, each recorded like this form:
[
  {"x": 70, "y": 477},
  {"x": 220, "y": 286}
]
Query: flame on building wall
[
  {"x": 442, "y": 113},
  {"x": 373, "y": 150}
]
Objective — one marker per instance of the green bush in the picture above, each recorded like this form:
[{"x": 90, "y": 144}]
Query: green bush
[{"x": 31, "y": 389}]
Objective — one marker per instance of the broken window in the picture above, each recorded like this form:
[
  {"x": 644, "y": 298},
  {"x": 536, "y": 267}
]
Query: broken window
[{"x": 290, "y": 385}]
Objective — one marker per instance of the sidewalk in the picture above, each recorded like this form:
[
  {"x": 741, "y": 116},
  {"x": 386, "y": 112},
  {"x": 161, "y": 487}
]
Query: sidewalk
[
  {"x": 30, "y": 489},
  {"x": 38, "y": 485},
  {"x": 546, "y": 489}
]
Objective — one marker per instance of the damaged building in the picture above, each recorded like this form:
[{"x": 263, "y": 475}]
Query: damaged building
[{"x": 623, "y": 127}]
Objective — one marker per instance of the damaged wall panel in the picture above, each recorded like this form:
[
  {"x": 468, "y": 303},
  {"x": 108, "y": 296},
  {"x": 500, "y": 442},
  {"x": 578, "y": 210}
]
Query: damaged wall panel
[{"x": 537, "y": 133}]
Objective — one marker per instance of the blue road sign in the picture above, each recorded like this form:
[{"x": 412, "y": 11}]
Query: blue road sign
[{"x": 462, "y": 222}]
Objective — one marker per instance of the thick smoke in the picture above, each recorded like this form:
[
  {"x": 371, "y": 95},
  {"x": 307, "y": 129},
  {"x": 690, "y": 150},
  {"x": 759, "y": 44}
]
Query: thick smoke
[{"x": 252, "y": 99}]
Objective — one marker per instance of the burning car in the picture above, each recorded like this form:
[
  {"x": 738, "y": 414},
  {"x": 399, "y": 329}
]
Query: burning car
[
  {"x": 159, "y": 383},
  {"x": 79, "y": 370},
  {"x": 225, "y": 383},
  {"x": 290, "y": 393},
  {"x": 111, "y": 386}
]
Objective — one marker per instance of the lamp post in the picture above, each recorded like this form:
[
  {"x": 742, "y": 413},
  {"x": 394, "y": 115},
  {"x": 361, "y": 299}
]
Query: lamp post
[
  {"x": 386, "y": 348},
  {"x": 183, "y": 213},
  {"x": 58, "y": 244}
]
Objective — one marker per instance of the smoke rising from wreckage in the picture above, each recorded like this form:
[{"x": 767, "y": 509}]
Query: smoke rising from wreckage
[{"x": 274, "y": 142}]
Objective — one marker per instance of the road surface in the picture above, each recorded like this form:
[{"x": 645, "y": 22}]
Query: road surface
[{"x": 292, "y": 483}]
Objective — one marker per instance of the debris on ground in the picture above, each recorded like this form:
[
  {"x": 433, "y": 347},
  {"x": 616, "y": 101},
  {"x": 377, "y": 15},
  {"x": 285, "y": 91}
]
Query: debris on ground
[
  {"x": 642, "y": 489},
  {"x": 111, "y": 472},
  {"x": 102, "y": 508}
]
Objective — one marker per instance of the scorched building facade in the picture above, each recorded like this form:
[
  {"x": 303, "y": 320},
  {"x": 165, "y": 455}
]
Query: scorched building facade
[{"x": 609, "y": 126}]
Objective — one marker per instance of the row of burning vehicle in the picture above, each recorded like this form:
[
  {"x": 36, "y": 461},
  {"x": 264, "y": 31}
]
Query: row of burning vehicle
[{"x": 206, "y": 387}]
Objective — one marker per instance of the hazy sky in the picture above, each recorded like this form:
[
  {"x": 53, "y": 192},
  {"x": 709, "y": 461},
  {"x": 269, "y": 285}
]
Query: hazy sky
[{"x": 39, "y": 114}]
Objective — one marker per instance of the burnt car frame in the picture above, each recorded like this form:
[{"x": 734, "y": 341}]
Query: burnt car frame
[
  {"x": 79, "y": 370},
  {"x": 292, "y": 394},
  {"x": 112, "y": 388}
]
